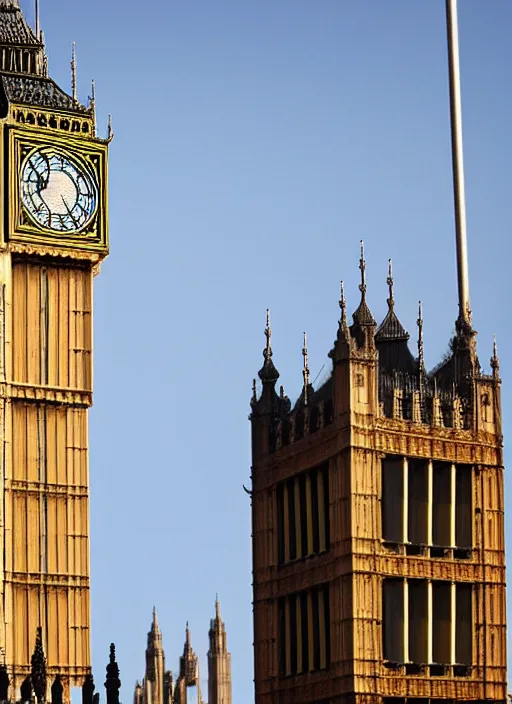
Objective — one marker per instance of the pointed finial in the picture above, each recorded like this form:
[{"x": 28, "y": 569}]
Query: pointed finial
[
  {"x": 254, "y": 398},
  {"x": 268, "y": 334},
  {"x": 268, "y": 373},
  {"x": 305, "y": 371},
  {"x": 495, "y": 362},
  {"x": 37, "y": 17},
  {"x": 343, "y": 307},
  {"x": 217, "y": 608},
  {"x": 421, "y": 360},
  {"x": 112, "y": 681},
  {"x": 154, "y": 625},
  {"x": 73, "y": 71},
  {"x": 389, "y": 281},
  {"x": 362, "y": 267}
]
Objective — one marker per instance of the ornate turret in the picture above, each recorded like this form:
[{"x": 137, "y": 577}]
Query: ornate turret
[
  {"x": 363, "y": 327},
  {"x": 391, "y": 338}
]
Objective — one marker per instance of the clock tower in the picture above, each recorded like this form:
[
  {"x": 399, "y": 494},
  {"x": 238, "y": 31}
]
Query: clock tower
[{"x": 53, "y": 237}]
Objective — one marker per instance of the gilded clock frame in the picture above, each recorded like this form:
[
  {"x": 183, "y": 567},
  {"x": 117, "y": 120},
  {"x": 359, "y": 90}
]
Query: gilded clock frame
[{"x": 19, "y": 228}]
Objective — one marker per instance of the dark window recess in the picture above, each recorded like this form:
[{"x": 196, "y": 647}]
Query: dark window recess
[
  {"x": 417, "y": 523},
  {"x": 280, "y": 523},
  {"x": 282, "y": 636},
  {"x": 303, "y": 515},
  {"x": 293, "y": 633},
  {"x": 418, "y": 621},
  {"x": 441, "y": 503},
  {"x": 309, "y": 631},
  {"x": 392, "y": 499},
  {"x": 441, "y": 622},
  {"x": 327, "y": 523},
  {"x": 463, "y": 624},
  {"x": 463, "y": 506},
  {"x": 314, "y": 505},
  {"x": 291, "y": 516},
  {"x": 304, "y": 629},
  {"x": 393, "y": 622}
]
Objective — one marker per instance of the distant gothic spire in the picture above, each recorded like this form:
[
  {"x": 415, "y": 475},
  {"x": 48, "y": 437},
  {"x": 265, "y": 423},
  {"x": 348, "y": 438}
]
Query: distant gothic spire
[{"x": 219, "y": 661}]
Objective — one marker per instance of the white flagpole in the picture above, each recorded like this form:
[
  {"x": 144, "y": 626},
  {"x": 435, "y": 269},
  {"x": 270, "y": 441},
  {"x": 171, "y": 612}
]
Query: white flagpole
[{"x": 458, "y": 161}]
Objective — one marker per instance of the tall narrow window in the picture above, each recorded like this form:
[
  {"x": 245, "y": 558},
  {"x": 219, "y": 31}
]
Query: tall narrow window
[
  {"x": 304, "y": 631},
  {"x": 418, "y": 621},
  {"x": 418, "y": 502},
  {"x": 392, "y": 499},
  {"x": 463, "y": 624},
  {"x": 463, "y": 506},
  {"x": 441, "y": 518},
  {"x": 303, "y": 515},
  {"x": 393, "y": 620},
  {"x": 280, "y": 524},
  {"x": 441, "y": 622}
]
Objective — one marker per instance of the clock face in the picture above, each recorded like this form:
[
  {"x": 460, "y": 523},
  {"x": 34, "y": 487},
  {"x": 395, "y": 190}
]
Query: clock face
[{"x": 58, "y": 192}]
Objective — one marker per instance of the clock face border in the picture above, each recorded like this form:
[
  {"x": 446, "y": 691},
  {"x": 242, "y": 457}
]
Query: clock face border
[{"x": 19, "y": 226}]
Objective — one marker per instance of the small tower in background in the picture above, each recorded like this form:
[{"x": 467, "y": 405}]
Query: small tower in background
[
  {"x": 219, "y": 661},
  {"x": 158, "y": 685},
  {"x": 155, "y": 665}
]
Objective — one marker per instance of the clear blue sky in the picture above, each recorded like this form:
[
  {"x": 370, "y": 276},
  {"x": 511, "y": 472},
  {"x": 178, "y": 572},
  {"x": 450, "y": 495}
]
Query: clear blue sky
[{"x": 256, "y": 143}]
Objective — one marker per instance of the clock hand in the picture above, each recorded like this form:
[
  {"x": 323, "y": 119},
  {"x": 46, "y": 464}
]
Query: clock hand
[{"x": 75, "y": 221}]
